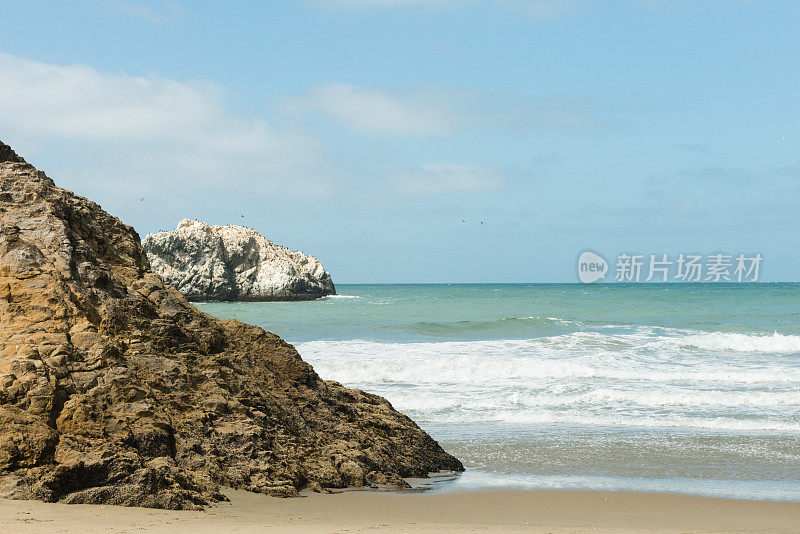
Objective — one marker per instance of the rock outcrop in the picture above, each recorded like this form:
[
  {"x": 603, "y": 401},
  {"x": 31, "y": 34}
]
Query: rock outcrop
[
  {"x": 114, "y": 389},
  {"x": 206, "y": 262}
]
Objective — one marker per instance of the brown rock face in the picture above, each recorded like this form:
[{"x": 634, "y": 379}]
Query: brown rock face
[
  {"x": 114, "y": 389},
  {"x": 7, "y": 154}
]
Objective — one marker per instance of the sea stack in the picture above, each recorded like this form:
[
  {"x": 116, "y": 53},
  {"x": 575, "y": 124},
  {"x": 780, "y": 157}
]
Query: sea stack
[
  {"x": 115, "y": 390},
  {"x": 228, "y": 263}
]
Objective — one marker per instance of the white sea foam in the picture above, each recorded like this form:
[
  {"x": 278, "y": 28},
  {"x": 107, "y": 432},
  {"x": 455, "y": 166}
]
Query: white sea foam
[
  {"x": 560, "y": 321},
  {"x": 728, "y": 341},
  {"x": 772, "y": 490},
  {"x": 331, "y": 297},
  {"x": 646, "y": 378}
]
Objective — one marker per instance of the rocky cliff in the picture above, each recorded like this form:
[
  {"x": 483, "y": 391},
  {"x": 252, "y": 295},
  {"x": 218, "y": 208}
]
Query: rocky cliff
[
  {"x": 206, "y": 262},
  {"x": 114, "y": 389}
]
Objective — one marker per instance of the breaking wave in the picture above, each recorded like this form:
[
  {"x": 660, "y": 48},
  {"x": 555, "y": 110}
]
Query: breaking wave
[{"x": 647, "y": 378}]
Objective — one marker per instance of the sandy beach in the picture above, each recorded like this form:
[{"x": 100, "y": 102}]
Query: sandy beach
[{"x": 363, "y": 511}]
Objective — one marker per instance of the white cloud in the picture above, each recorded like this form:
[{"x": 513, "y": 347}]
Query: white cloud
[
  {"x": 157, "y": 127},
  {"x": 116, "y": 138},
  {"x": 435, "y": 178}
]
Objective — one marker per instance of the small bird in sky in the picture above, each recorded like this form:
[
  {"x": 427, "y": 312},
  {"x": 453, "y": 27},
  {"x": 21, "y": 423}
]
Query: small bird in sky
[
  {"x": 462, "y": 220},
  {"x": 785, "y": 138},
  {"x": 242, "y": 216},
  {"x": 481, "y": 222},
  {"x": 141, "y": 199}
]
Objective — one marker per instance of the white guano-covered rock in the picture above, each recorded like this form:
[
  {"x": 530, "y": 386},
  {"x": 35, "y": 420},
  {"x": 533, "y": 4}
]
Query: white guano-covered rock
[{"x": 207, "y": 262}]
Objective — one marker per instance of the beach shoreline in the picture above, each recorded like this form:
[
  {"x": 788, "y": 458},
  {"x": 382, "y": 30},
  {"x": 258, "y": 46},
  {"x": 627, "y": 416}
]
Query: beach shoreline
[{"x": 553, "y": 511}]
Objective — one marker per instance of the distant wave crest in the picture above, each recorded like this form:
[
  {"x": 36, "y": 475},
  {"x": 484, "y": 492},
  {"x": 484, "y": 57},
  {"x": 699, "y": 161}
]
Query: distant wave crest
[{"x": 730, "y": 341}]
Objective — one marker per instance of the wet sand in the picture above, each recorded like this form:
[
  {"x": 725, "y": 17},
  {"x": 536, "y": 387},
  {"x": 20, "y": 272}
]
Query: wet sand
[{"x": 361, "y": 511}]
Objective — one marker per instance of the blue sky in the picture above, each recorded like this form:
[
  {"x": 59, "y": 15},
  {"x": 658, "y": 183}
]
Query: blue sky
[{"x": 366, "y": 131}]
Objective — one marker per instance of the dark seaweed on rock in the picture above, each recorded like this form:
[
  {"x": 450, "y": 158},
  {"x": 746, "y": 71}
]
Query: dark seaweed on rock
[{"x": 114, "y": 389}]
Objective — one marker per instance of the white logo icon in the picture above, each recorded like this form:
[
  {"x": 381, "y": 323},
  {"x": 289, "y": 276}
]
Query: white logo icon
[{"x": 591, "y": 267}]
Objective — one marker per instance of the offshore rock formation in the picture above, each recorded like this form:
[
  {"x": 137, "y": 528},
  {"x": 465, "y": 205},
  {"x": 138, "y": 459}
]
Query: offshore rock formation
[
  {"x": 114, "y": 389},
  {"x": 206, "y": 262}
]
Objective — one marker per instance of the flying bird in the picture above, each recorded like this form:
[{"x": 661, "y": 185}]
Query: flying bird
[
  {"x": 141, "y": 199},
  {"x": 785, "y": 138}
]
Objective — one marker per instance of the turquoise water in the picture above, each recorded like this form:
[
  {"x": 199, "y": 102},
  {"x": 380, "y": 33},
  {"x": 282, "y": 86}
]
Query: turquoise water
[{"x": 687, "y": 388}]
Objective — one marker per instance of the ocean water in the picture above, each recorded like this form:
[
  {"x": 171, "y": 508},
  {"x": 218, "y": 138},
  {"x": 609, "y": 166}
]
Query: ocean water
[{"x": 679, "y": 388}]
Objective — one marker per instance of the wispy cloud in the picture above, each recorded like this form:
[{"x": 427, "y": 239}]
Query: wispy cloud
[
  {"x": 418, "y": 112},
  {"x": 433, "y": 111},
  {"x": 718, "y": 175},
  {"x": 535, "y": 9},
  {"x": 538, "y": 9},
  {"x": 697, "y": 148},
  {"x": 447, "y": 177},
  {"x": 152, "y": 13},
  {"x": 791, "y": 171},
  {"x": 547, "y": 9},
  {"x": 384, "y": 3},
  {"x": 118, "y": 138}
]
